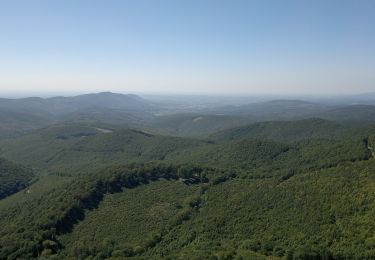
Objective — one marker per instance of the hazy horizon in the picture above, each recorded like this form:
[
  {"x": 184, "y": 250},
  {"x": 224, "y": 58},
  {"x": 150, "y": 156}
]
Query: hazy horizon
[
  {"x": 161, "y": 95},
  {"x": 203, "y": 47}
]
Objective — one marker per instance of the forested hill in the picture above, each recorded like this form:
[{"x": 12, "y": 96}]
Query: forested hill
[
  {"x": 187, "y": 212},
  {"x": 13, "y": 178},
  {"x": 274, "y": 190},
  {"x": 77, "y": 149}
]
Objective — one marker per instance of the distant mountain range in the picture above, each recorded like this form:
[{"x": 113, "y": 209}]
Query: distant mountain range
[
  {"x": 113, "y": 110},
  {"x": 299, "y": 109},
  {"x": 56, "y": 106},
  {"x": 22, "y": 115}
]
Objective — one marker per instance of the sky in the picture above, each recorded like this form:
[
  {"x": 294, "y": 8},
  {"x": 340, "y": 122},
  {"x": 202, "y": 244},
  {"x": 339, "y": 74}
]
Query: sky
[{"x": 187, "y": 46}]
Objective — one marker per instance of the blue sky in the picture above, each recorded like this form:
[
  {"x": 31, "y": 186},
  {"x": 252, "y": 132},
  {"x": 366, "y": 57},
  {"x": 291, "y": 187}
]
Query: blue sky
[{"x": 188, "y": 46}]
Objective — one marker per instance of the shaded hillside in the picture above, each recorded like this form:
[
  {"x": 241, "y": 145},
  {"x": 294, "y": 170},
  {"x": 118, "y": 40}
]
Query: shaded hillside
[{"x": 13, "y": 178}]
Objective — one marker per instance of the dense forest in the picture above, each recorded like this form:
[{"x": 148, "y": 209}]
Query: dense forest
[
  {"x": 13, "y": 178},
  {"x": 84, "y": 189}
]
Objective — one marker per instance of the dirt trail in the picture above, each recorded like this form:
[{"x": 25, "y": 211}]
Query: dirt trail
[
  {"x": 371, "y": 150},
  {"x": 106, "y": 131}
]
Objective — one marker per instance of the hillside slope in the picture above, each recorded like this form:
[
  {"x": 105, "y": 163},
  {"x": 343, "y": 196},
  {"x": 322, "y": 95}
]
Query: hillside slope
[{"x": 13, "y": 178}]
